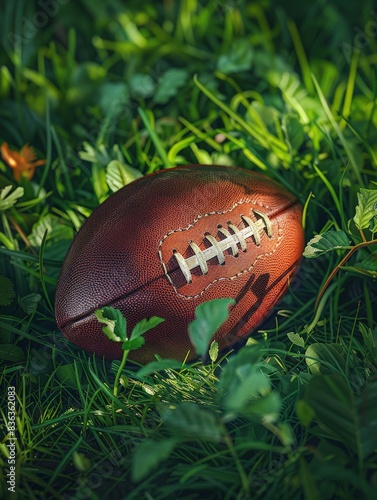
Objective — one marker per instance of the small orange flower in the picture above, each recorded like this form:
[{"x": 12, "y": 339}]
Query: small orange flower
[{"x": 23, "y": 163}]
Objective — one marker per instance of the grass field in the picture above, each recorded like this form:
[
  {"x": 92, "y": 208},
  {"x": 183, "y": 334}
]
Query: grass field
[{"x": 105, "y": 91}]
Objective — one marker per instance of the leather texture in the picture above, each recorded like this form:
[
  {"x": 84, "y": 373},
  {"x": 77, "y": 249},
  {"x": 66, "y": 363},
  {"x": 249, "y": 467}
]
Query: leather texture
[{"x": 172, "y": 240}]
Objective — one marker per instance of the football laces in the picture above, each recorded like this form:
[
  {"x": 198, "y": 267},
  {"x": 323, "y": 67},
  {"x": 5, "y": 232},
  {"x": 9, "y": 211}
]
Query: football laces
[{"x": 235, "y": 240}]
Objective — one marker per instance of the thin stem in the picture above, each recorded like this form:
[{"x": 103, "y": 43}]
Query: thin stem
[
  {"x": 119, "y": 372},
  {"x": 241, "y": 471},
  {"x": 341, "y": 263}
]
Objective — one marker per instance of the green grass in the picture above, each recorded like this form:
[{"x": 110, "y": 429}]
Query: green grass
[{"x": 106, "y": 92}]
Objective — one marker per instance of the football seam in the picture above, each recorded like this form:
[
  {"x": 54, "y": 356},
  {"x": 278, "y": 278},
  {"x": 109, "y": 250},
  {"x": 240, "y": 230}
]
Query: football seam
[
  {"x": 110, "y": 304},
  {"x": 115, "y": 300},
  {"x": 228, "y": 278}
]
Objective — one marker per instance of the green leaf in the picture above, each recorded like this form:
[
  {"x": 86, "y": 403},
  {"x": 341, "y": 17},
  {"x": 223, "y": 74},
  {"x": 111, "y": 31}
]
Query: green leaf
[
  {"x": 209, "y": 317},
  {"x": 329, "y": 400},
  {"x": 367, "y": 411},
  {"x": 81, "y": 462},
  {"x": 93, "y": 154},
  {"x": 56, "y": 231},
  {"x": 116, "y": 326},
  {"x": 238, "y": 58},
  {"x": 284, "y": 432},
  {"x": 351, "y": 420},
  {"x": 328, "y": 358},
  {"x": 29, "y": 302},
  {"x": 113, "y": 95},
  {"x": 169, "y": 84},
  {"x": 266, "y": 407},
  {"x": 7, "y": 242},
  {"x": 245, "y": 357},
  {"x": 326, "y": 242},
  {"x": 268, "y": 114},
  {"x": 243, "y": 382},
  {"x": 136, "y": 340},
  {"x": 190, "y": 421},
  {"x": 296, "y": 339},
  {"x": 370, "y": 342},
  {"x": 7, "y": 292},
  {"x": 214, "y": 351},
  {"x": 11, "y": 353},
  {"x": 148, "y": 455},
  {"x": 8, "y": 200},
  {"x": 250, "y": 384},
  {"x": 158, "y": 366},
  {"x": 131, "y": 345},
  {"x": 333, "y": 403},
  {"x": 294, "y": 131},
  {"x": 142, "y": 86},
  {"x": 373, "y": 227},
  {"x": 67, "y": 375},
  {"x": 202, "y": 156},
  {"x": 367, "y": 266},
  {"x": 304, "y": 412},
  {"x": 144, "y": 325},
  {"x": 119, "y": 175},
  {"x": 307, "y": 480},
  {"x": 366, "y": 209}
]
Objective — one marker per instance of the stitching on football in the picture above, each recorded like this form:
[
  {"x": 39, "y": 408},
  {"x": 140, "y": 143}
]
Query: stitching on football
[{"x": 177, "y": 276}]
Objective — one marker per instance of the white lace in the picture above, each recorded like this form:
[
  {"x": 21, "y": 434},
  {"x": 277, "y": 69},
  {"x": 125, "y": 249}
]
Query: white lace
[{"x": 230, "y": 242}]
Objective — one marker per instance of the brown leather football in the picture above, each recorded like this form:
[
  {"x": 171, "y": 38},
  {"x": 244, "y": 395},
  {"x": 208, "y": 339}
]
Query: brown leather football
[{"x": 172, "y": 240}]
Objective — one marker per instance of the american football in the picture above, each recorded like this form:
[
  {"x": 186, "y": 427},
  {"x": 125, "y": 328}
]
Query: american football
[{"x": 172, "y": 240}]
